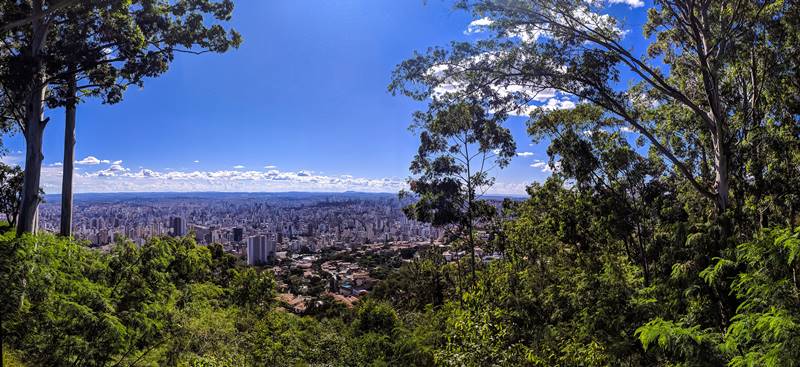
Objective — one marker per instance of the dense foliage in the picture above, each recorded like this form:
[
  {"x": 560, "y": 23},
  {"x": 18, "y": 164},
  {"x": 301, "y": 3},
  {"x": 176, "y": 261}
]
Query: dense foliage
[
  {"x": 550, "y": 302},
  {"x": 173, "y": 302}
]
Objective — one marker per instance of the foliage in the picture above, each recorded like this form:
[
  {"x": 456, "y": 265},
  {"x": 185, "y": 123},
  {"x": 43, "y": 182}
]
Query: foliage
[
  {"x": 764, "y": 329},
  {"x": 10, "y": 191},
  {"x": 172, "y": 302},
  {"x": 627, "y": 254},
  {"x": 460, "y": 144}
]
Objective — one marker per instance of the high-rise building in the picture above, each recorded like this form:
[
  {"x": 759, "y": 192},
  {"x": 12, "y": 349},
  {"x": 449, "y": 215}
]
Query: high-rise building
[
  {"x": 178, "y": 226},
  {"x": 238, "y": 234},
  {"x": 259, "y": 250}
]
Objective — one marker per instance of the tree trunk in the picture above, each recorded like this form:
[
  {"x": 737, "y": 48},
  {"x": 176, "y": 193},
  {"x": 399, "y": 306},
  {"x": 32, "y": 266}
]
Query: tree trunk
[
  {"x": 69, "y": 159},
  {"x": 472, "y": 251},
  {"x": 721, "y": 181},
  {"x": 34, "y": 134},
  {"x": 721, "y": 167},
  {"x": 34, "y": 122}
]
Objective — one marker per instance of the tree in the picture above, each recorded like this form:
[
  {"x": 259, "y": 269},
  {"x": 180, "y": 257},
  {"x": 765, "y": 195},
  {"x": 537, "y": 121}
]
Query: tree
[
  {"x": 712, "y": 107},
  {"x": 11, "y": 179},
  {"x": 459, "y": 145},
  {"x": 698, "y": 91},
  {"x": 25, "y": 85},
  {"x": 56, "y": 6},
  {"x": 98, "y": 53},
  {"x": 110, "y": 45}
]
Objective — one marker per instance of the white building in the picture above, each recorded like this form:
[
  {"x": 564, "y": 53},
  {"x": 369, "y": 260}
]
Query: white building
[{"x": 259, "y": 250}]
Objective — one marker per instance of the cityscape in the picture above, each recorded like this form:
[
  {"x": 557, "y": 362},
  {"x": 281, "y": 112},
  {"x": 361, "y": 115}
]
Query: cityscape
[
  {"x": 292, "y": 221},
  {"x": 305, "y": 234}
]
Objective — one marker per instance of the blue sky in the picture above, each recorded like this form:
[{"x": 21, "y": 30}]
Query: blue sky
[{"x": 303, "y": 101}]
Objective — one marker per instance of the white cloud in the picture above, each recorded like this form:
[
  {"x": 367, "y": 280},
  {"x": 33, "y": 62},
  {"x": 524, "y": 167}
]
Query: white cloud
[
  {"x": 238, "y": 166},
  {"x": 536, "y": 97},
  {"x": 93, "y": 161},
  {"x": 631, "y": 3},
  {"x": 552, "y": 104},
  {"x": 57, "y": 164},
  {"x": 196, "y": 161},
  {"x": 478, "y": 25},
  {"x": 117, "y": 168},
  {"x": 582, "y": 16},
  {"x": 117, "y": 178},
  {"x": 12, "y": 159},
  {"x": 528, "y": 33},
  {"x": 112, "y": 171},
  {"x": 558, "y": 104},
  {"x": 270, "y": 167},
  {"x": 89, "y": 161},
  {"x": 546, "y": 167},
  {"x": 628, "y": 130},
  {"x": 524, "y": 154}
]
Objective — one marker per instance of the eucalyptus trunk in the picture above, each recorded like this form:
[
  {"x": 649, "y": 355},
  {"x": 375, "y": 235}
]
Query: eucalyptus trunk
[
  {"x": 721, "y": 178},
  {"x": 69, "y": 158},
  {"x": 34, "y": 122},
  {"x": 34, "y": 134}
]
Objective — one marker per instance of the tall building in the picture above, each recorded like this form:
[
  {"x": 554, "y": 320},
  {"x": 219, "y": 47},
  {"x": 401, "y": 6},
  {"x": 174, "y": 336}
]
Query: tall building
[
  {"x": 202, "y": 234},
  {"x": 238, "y": 234},
  {"x": 259, "y": 250},
  {"x": 178, "y": 226}
]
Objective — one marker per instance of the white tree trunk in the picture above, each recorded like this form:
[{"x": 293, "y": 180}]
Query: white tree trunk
[{"x": 34, "y": 123}]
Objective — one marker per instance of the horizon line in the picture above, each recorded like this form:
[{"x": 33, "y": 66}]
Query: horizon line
[{"x": 259, "y": 192}]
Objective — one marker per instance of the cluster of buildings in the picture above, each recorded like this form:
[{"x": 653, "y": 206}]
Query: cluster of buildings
[
  {"x": 253, "y": 225},
  {"x": 316, "y": 244}
]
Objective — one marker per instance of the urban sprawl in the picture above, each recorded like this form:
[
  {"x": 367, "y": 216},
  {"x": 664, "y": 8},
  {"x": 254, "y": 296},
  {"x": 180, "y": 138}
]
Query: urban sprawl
[{"x": 334, "y": 245}]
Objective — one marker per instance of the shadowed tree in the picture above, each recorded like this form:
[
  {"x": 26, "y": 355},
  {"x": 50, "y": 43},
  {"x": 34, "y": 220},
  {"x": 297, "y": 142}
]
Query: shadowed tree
[{"x": 10, "y": 192}]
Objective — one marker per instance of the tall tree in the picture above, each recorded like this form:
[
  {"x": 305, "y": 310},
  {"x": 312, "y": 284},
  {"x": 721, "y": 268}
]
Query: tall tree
[
  {"x": 109, "y": 45},
  {"x": 460, "y": 144},
  {"x": 25, "y": 84},
  {"x": 68, "y": 170}
]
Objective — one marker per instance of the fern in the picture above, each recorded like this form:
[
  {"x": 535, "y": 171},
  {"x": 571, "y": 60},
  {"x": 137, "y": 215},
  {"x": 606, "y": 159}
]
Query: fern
[
  {"x": 712, "y": 273},
  {"x": 669, "y": 335}
]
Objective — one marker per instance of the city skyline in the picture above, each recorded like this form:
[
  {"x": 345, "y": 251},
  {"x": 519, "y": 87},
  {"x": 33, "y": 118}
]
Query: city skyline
[
  {"x": 314, "y": 220},
  {"x": 301, "y": 106}
]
